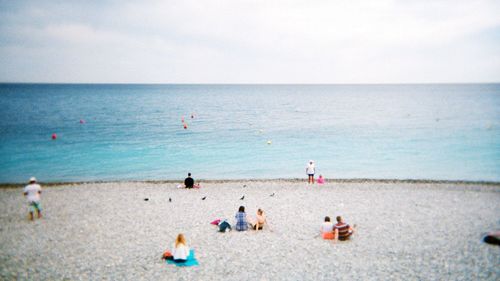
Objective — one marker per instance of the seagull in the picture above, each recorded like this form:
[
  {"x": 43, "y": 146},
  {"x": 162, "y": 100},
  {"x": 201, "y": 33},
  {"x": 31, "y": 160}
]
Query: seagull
[
  {"x": 169, "y": 199},
  {"x": 204, "y": 198},
  {"x": 244, "y": 185},
  {"x": 243, "y": 197},
  {"x": 272, "y": 194}
]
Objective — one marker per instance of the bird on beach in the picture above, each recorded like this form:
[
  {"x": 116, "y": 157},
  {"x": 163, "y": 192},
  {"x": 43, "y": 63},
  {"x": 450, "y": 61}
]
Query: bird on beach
[
  {"x": 204, "y": 198},
  {"x": 243, "y": 197},
  {"x": 272, "y": 194},
  {"x": 169, "y": 199}
]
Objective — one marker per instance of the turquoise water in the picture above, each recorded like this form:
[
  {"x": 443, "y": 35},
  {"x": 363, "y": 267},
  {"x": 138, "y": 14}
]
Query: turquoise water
[{"x": 134, "y": 132}]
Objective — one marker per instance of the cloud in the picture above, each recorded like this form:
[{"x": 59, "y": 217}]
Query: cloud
[{"x": 225, "y": 41}]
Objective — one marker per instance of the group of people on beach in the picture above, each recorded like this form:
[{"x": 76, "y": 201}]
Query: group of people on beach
[
  {"x": 243, "y": 221},
  {"x": 339, "y": 231},
  {"x": 180, "y": 250},
  {"x": 310, "y": 171}
]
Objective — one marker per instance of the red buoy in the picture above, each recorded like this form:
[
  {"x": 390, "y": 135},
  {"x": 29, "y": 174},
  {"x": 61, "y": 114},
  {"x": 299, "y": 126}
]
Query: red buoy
[
  {"x": 82, "y": 121},
  {"x": 182, "y": 119},
  {"x": 54, "y": 136},
  {"x": 185, "y": 126}
]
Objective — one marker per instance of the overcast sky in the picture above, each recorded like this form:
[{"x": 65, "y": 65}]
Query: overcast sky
[{"x": 232, "y": 41}]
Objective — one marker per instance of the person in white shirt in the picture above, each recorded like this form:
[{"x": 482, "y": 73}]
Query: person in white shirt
[
  {"x": 180, "y": 249},
  {"x": 310, "y": 170},
  {"x": 326, "y": 229},
  {"x": 32, "y": 192}
]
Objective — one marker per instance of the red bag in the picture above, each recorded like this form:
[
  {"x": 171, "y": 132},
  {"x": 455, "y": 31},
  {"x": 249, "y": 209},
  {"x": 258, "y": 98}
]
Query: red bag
[{"x": 166, "y": 255}]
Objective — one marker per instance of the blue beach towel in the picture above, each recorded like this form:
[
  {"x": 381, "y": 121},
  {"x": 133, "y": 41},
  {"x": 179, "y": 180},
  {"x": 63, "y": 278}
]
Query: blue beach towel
[{"x": 191, "y": 260}]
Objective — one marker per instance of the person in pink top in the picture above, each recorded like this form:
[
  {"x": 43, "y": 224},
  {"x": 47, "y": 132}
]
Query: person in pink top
[{"x": 321, "y": 180}]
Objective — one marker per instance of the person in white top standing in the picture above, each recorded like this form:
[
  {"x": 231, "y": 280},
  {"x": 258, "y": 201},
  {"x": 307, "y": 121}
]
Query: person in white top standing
[
  {"x": 32, "y": 192},
  {"x": 310, "y": 170}
]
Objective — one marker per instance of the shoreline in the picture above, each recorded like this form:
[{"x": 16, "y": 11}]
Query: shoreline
[{"x": 263, "y": 180}]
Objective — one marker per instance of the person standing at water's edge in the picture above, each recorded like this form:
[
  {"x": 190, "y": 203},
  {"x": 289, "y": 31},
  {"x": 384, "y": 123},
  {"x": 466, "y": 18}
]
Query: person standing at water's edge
[
  {"x": 310, "y": 170},
  {"x": 32, "y": 192}
]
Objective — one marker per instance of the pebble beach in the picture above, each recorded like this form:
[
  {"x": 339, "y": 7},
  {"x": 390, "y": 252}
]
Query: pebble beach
[{"x": 119, "y": 230}]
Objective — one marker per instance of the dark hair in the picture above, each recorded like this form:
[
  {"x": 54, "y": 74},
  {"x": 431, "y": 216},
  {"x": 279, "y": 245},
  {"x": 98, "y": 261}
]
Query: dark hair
[
  {"x": 189, "y": 174},
  {"x": 339, "y": 218},
  {"x": 327, "y": 218},
  {"x": 241, "y": 209}
]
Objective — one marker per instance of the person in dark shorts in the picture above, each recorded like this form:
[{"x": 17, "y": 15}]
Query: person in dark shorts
[
  {"x": 342, "y": 230},
  {"x": 189, "y": 181},
  {"x": 310, "y": 171}
]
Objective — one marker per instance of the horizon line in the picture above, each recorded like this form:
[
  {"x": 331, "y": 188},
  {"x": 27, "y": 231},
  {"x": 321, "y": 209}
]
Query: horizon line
[{"x": 264, "y": 84}]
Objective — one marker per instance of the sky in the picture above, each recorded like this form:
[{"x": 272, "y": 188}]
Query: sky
[{"x": 260, "y": 41}]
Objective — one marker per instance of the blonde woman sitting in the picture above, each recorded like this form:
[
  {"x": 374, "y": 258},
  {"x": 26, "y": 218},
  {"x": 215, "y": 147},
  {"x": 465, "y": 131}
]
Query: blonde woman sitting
[
  {"x": 180, "y": 250},
  {"x": 260, "y": 220}
]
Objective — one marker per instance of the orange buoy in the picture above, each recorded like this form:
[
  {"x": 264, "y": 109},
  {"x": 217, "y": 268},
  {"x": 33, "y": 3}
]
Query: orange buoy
[{"x": 54, "y": 136}]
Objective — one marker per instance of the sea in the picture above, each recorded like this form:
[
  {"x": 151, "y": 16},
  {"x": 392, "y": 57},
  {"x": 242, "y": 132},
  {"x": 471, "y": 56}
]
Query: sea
[{"x": 107, "y": 132}]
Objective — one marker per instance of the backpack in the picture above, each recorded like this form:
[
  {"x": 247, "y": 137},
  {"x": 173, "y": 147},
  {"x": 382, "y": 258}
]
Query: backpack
[{"x": 224, "y": 226}]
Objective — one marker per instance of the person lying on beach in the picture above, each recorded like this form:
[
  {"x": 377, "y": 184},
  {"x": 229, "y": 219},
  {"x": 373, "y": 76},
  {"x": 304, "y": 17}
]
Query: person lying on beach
[
  {"x": 180, "y": 250},
  {"x": 260, "y": 220},
  {"x": 241, "y": 219},
  {"x": 326, "y": 229},
  {"x": 342, "y": 230}
]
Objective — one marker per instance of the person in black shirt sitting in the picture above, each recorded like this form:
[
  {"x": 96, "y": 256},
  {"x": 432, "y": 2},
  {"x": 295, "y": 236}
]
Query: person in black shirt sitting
[{"x": 189, "y": 181}]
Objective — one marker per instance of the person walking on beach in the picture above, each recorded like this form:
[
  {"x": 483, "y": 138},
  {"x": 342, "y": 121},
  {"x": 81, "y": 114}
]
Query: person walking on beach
[
  {"x": 189, "y": 181},
  {"x": 342, "y": 230},
  {"x": 32, "y": 192},
  {"x": 310, "y": 170},
  {"x": 241, "y": 219}
]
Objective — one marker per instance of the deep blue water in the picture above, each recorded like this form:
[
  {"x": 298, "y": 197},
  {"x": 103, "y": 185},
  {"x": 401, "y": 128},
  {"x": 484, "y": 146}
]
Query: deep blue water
[{"x": 447, "y": 132}]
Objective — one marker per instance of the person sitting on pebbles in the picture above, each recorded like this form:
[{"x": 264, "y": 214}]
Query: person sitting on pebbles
[
  {"x": 180, "y": 250},
  {"x": 241, "y": 219},
  {"x": 260, "y": 220},
  {"x": 189, "y": 182},
  {"x": 342, "y": 230},
  {"x": 326, "y": 229}
]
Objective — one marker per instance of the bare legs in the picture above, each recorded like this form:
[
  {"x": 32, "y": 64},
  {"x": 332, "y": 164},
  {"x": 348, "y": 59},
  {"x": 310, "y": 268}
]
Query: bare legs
[{"x": 311, "y": 179}]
